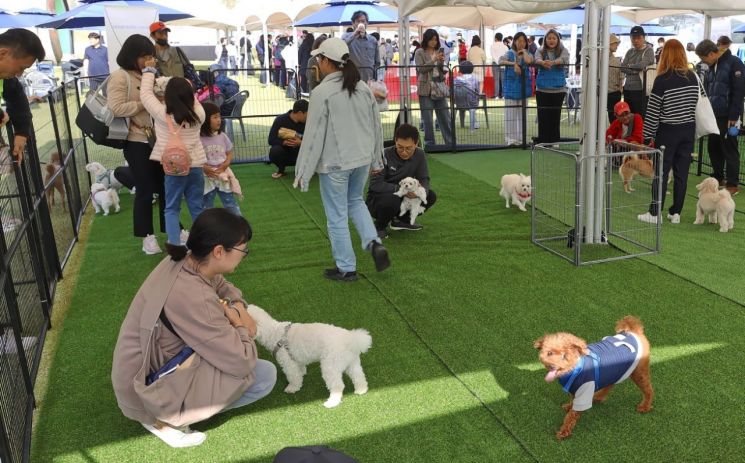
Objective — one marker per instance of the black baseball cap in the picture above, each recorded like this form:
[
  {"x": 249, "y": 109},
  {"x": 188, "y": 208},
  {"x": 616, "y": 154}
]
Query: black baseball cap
[{"x": 637, "y": 30}]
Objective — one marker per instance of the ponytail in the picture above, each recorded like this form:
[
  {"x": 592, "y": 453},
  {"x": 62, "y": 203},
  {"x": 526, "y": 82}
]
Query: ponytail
[{"x": 351, "y": 76}]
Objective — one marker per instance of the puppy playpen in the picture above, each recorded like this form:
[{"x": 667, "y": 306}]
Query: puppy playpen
[{"x": 580, "y": 210}]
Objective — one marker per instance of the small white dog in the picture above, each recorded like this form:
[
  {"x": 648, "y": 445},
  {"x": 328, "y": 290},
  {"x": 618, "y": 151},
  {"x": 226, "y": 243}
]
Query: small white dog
[
  {"x": 295, "y": 345},
  {"x": 411, "y": 205},
  {"x": 716, "y": 204},
  {"x": 103, "y": 175},
  {"x": 516, "y": 187},
  {"x": 103, "y": 198}
]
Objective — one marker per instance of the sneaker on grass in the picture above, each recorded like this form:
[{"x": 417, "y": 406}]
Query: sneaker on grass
[
  {"x": 177, "y": 438},
  {"x": 401, "y": 225},
  {"x": 382, "y": 233},
  {"x": 647, "y": 217},
  {"x": 150, "y": 245},
  {"x": 380, "y": 256},
  {"x": 337, "y": 275},
  {"x": 674, "y": 218}
]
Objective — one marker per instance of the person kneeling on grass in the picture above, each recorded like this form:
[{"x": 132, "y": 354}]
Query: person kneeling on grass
[
  {"x": 404, "y": 159},
  {"x": 627, "y": 126},
  {"x": 186, "y": 348},
  {"x": 219, "y": 179},
  {"x": 285, "y": 137}
]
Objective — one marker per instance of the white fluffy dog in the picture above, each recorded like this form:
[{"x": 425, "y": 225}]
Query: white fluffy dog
[
  {"x": 295, "y": 345},
  {"x": 411, "y": 205},
  {"x": 516, "y": 187},
  {"x": 103, "y": 198},
  {"x": 717, "y": 204},
  {"x": 103, "y": 175}
]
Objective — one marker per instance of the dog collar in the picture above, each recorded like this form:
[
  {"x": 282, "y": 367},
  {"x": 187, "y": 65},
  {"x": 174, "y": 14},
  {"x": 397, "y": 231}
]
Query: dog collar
[{"x": 283, "y": 343}]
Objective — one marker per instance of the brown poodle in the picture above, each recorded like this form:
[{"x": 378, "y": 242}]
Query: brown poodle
[
  {"x": 588, "y": 373},
  {"x": 52, "y": 167},
  {"x": 633, "y": 165}
]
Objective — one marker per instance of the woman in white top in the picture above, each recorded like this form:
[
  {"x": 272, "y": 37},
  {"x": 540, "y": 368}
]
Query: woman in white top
[
  {"x": 343, "y": 141},
  {"x": 477, "y": 56},
  {"x": 182, "y": 112}
]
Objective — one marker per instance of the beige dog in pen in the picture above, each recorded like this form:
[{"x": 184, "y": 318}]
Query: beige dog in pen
[{"x": 715, "y": 204}]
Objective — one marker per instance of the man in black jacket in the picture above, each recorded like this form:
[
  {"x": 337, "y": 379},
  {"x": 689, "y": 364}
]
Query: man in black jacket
[
  {"x": 284, "y": 147},
  {"x": 404, "y": 159},
  {"x": 725, "y": 86},
  {"x": 19, "y": 49}
]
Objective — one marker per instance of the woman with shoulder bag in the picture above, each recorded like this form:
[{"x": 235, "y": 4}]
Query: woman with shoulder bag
[
  {"x": 147, "y": 174},
  {"x": 187, "y": 311},
  {"x": 517, "y": 72},
  {"x": 432, "y": 89},
  {"x": 671, "y": 122}
]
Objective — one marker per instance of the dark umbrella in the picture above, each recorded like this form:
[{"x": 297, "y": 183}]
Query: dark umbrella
[
  {"x": 91, "y": 14},
  {"x": 26, "y": 18}
]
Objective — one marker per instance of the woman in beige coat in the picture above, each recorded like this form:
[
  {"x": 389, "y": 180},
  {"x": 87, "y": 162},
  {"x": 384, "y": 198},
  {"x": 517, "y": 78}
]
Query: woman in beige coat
[
  {"x": 477, "y": 56},
  {"x": 186, "y": 305}
]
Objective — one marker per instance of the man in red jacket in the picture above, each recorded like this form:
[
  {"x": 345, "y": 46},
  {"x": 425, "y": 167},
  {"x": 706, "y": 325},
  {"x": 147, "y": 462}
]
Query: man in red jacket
[{"x": 627, "y": 126}]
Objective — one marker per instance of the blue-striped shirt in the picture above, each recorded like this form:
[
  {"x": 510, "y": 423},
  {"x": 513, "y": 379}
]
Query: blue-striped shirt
[{"x": 672, "y": 101}]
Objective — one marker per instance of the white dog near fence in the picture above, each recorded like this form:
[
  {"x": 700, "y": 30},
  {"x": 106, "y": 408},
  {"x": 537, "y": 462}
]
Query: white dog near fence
[
  {"x": 104, "y": 198},
  {"x": 103, "y": 175}
]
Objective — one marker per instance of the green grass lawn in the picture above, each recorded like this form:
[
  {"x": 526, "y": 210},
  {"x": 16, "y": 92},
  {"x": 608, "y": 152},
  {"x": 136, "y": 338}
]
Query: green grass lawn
[{"x": 452, "y": 371}]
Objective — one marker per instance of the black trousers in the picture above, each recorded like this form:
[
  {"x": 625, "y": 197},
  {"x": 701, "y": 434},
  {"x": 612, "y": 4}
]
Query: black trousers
[
  {"x": 283, "y": 156},
  {"x": 385, "y": 207},
  {"x": 678, "y": 142},
  {"x": 613, "y": 98},
  {"x": 549, "y": 115},
  {"x": 148, "y": 179},
  {"x": 723, "y": 150},
  {"x": 637, "y": 101}
]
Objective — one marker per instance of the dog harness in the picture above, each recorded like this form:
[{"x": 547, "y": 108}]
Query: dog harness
[
  {"x": 104, "y": 179},
  {"x": 283, "y": 343},
  {"x": 610, "y": 361}
]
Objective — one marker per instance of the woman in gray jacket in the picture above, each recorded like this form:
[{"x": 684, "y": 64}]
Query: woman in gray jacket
[
  {"x": 343, "y": 140},
  {"x": 430, "y": 68}
]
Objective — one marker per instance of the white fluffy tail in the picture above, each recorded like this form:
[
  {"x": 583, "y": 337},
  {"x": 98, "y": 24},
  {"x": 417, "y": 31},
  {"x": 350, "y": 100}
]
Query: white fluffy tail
[
  {"x": 361, "y": 340},
  {"x": 114, "y": 196}
]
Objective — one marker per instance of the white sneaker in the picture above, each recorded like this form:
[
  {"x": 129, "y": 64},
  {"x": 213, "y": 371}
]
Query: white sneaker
[
  {"x": 176, "y": 438},
  {"x": 647, "y": 217},
  {"x": 674, "y": 218},
  {"x": 150, "y": 245},
  {"x": 184, "y": 237}
]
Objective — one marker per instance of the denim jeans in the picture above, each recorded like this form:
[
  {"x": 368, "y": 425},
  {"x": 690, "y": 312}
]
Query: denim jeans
[
  {"x": 427, "y": 104},
  {"x": 192, "y": 187},
  {"x": 265, "y": 378},
  {"x": 227, "y": 198},
  {"x": 341, "y": 194}
]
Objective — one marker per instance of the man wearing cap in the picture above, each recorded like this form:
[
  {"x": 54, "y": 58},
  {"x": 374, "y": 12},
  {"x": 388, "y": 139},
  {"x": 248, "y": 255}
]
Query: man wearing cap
[
  {"x": 363, "y": 48},
  {"x": 172, "y": 62},
  {"x": 637, "y": 59},
  {"x": 96, "y": 60},
  {"x": 627, "y": 126},
  {"x": 615, "y": 78},
  {"x": 725, "y": 87}
]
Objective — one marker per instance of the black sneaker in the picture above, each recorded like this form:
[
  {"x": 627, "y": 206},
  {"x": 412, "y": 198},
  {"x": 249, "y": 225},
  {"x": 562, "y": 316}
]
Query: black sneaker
[
  {"x": 382, "y": 233},
  {"x": 337, "y": 275},
  {"x": 401, "y": 225},
  {"x": 380, "y": 256}
]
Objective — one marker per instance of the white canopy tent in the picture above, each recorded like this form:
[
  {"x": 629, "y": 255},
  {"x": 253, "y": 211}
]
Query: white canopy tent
[{"x": 595, "y": 42}]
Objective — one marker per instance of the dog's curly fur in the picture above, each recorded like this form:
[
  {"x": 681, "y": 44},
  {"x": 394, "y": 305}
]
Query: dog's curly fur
[
  {"x": 411, "y": 205},
  {"x": 715, "y": 204},
  {"x": 336, "y": 348},
  {"x": 560, "y": 353}
]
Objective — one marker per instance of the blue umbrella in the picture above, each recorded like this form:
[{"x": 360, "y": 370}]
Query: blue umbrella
[
  {"x": 576, "y": 15},
  {"x": 25, "y": 18},
  {"x": 649, "y": 29},
  {"x": 740, "y": 30},
  {"x": 91, "y": 14},
  {"x": 340, "y": 14}
]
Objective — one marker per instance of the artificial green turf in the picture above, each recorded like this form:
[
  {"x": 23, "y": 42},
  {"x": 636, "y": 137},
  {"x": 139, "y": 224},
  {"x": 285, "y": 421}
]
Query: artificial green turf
[{"x": 452, "y": 372}]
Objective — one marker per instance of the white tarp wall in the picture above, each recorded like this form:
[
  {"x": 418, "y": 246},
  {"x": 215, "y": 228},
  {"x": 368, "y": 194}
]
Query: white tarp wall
[{"x": 121, "y": 22}]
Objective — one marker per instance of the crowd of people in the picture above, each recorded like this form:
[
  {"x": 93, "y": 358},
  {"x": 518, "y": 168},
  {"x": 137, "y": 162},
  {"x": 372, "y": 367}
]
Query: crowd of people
[{"x": 187, "y": 313}]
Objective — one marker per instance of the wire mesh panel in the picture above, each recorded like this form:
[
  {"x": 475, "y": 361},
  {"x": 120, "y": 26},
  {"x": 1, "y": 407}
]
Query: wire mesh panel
[
  {"x": 702, "y": 159},
  {"x": 561, "y": 185}
]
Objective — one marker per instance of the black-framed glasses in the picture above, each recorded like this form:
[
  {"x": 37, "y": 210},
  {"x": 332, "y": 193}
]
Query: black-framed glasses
[{"x": 245, "y": 252}]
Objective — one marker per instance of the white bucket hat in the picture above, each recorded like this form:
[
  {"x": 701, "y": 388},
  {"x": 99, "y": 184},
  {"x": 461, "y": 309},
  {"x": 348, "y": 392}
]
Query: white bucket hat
[{"x": 334, "y": 49}]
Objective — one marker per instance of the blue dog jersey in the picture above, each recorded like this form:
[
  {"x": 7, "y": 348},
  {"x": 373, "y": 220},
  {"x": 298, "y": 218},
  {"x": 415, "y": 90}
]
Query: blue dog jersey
[{"x": 610, "y": 361}]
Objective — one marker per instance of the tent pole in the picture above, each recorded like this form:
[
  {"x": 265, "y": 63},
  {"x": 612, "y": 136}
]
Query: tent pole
[
  {"x": 267, "y": 52},
  {"x": 707, "y": 26},
  {"x": 589, "y": 116},
  {"x": 404, "y": 71},
  {"x": 602, "y": 120}
]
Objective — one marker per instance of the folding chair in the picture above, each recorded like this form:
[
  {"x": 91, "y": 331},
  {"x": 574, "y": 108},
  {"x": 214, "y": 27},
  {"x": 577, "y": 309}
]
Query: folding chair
[{"x": 236, "y": 113}]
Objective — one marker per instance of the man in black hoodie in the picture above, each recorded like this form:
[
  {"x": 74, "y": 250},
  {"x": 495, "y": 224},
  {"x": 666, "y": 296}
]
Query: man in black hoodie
[
  {"x": 404, "y": 159},
  {"x": 19, "y": 49}
]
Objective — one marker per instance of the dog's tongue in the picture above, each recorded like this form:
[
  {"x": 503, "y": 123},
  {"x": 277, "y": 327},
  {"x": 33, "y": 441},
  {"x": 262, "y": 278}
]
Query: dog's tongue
[{"x": 550, "y": 376}]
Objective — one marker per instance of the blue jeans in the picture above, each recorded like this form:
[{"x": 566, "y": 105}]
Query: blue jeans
[
  {"x": 227, "y": 198},
  {"x": 341, "y": 194},
  {"x": 427, "y": 104},
  {"x": 266, "y": 377},
  {"x": 191, "y": 186}
]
